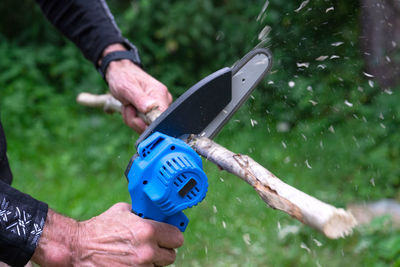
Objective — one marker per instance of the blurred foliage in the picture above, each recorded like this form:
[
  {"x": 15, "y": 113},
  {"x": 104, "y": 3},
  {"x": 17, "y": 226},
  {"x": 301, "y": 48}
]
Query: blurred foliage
[{"x": 339, "y": 141}]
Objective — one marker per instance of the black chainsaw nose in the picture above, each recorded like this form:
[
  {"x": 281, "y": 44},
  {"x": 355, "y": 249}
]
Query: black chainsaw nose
[{"x": 194, "y": 110}]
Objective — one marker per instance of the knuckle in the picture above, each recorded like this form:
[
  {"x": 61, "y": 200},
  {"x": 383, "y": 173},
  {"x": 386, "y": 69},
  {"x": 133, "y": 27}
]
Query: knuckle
[
  {"x": 147, "y": 255},
  {"x": 148, "y": 231},
  {"x": 172, "y": 256},
  {"x": 169, "y": 257},
  {"x": 179, "y": 239},
  {"x": 164, "y": 88},
  {"x": 175, "y": 237},
  {"x": 169, "y": 96}
]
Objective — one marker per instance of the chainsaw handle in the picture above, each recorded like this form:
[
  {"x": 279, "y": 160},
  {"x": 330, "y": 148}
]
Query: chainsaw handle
[{"x": 111, "y": 104}]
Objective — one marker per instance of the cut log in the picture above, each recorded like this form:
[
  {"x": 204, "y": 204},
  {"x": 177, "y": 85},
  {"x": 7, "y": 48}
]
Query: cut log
[{"x": 331, "y": 221}]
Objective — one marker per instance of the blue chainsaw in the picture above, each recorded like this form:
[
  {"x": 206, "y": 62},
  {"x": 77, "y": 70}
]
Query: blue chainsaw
[{"x": 166, "y": 175}]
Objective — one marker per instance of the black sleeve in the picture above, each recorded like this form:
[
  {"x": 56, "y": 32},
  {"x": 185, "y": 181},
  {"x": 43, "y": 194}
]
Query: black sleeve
[
  {"x": 5, "y": 171},
  {"x": 88, "y": 23},
  {"x": 21, "y": 223},
  {"x": 21, "y": 217}
]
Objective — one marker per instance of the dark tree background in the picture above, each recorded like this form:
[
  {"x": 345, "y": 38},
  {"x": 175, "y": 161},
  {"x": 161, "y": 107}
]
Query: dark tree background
[{"x": 380, "y": 40}]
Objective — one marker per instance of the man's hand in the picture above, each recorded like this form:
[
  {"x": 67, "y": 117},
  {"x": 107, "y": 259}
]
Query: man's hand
[
  {"x": 115, "y": 238},
  {"x": 137, "y": 90}
]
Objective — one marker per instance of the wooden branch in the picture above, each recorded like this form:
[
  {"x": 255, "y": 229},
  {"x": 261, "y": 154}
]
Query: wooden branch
[
  {"x": 331, "y": 221},
  {"x": 107, "y": 102},
  {"x": 110, "y": 105}
]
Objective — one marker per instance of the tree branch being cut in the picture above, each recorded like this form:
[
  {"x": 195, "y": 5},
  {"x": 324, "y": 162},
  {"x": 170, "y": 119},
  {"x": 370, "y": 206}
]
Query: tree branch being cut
[{"x": 331, "y": 221}]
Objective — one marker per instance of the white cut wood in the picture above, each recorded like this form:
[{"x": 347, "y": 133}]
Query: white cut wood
[
  {"x": 331, "y": 221},
  {"x": 106, "y": 101}
]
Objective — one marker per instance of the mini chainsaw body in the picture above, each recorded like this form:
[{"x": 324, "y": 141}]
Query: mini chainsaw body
[{"x": 165, "y": 177}]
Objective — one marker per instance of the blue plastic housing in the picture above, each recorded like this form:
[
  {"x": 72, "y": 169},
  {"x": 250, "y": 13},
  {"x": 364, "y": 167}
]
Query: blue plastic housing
[{"x": 165, "y": 178}]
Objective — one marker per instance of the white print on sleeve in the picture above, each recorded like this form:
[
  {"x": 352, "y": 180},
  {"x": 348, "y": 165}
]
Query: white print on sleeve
[
  {"x": 37, "y": 231},
  {"x": 4, "y": 212},
  {"x": 19, "y": 226},
  {"x": 21, "y": 223}
]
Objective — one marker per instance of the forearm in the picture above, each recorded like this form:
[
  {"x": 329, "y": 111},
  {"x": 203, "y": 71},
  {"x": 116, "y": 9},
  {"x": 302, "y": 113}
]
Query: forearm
[
  {"x": 89, "y": 24},
  {"x": 58, "y": 241}
]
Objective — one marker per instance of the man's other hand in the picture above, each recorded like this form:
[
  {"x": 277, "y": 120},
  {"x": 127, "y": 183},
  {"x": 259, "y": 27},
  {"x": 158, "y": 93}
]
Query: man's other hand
[
  {"x": 136, "y": 89},
  {"x": 117, "y": 237}
]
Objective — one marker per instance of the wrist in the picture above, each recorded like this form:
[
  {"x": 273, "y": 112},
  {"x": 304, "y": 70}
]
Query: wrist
[
  {"x": 109, "y": 49},
  {"x": 58, "y": 244},
  {"x": 117, "y": 52},
  {"x": 120, "y": 65}
]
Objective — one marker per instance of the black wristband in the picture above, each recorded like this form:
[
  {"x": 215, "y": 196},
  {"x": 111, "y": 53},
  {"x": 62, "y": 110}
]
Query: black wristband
[{"x": 131, "y": 55}]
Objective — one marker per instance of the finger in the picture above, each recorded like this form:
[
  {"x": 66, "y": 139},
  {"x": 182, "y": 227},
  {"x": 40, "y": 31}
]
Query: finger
[
  {"x": 141, "y": 100},
  {"x": 168, "y": 102},
  {"x": 163, "y": 97},
  {"x": 129, "y": 116},
  {"x": 169, "y": 98},
  {"x": 132, "y": 120},
  {"x": 164, "y": 257},
  {"x": 168, "y": 236}
]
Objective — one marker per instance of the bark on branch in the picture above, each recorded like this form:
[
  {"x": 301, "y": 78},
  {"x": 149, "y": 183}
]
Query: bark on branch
[{"x": 331, "y": 221}]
